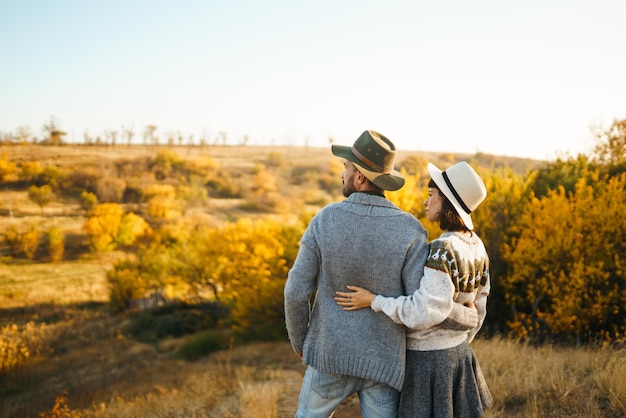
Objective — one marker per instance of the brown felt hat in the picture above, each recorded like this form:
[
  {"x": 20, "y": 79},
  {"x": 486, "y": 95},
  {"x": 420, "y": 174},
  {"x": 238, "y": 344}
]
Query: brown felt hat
[{"x": 375, "y": 155}]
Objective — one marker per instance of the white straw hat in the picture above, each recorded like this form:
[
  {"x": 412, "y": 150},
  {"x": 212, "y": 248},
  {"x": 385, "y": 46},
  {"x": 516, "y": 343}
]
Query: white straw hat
[{"x": 462, "y": 186}]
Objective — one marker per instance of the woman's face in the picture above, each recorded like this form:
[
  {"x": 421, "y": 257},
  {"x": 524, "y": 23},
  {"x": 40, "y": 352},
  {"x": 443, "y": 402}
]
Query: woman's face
[{"x": 433, "y": 204}]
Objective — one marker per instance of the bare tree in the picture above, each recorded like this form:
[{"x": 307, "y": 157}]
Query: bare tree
[
  {"x": 148, "y": 135},
  {"x": 129, "y": 133},
  {"x": 55, "y": 135}
]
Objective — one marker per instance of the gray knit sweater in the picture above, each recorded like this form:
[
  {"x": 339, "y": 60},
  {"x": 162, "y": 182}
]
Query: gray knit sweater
[{"x": 364, "y": 241}]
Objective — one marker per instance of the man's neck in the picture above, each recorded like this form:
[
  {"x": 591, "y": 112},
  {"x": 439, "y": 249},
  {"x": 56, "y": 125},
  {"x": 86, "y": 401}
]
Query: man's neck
[{"x": 372, "y": 192}]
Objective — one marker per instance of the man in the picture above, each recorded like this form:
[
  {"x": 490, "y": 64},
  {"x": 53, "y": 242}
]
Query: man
[{"x": 367, "y": 241}]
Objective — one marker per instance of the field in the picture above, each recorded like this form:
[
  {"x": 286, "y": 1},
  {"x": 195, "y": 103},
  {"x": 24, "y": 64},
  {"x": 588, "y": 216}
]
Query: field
[{"x": 82, "y": 361}]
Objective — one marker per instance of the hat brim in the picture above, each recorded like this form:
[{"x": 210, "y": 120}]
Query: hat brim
[
  {"x": 437, "y": 176},
  {"x": 391, "y": 181}
]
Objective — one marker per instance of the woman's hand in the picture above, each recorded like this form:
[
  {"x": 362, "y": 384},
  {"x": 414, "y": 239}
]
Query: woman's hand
[{"x": 359, "y": 298}]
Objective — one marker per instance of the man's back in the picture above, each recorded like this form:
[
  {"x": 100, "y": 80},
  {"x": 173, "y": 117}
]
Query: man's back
[{"x": 366, "y": 241}]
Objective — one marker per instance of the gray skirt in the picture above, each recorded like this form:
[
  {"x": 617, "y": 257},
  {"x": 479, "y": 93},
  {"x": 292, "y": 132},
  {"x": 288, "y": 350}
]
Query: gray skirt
[{"x": 444, "y": 384}]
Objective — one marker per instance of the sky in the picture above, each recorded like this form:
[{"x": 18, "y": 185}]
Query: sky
[{"x": 530, "y": 79}]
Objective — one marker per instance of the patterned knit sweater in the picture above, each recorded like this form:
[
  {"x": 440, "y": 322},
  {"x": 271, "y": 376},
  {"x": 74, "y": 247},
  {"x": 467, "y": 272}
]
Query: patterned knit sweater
[
  {"x": 365, "y": 241},
  {"x": 457, "y": 270}
]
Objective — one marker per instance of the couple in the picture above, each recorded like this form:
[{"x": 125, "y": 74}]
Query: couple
[{"x": 407, "y": 353}]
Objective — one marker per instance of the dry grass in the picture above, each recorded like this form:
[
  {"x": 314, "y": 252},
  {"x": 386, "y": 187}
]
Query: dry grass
[
  {"x": 550, "y": 381},
  {"x": 263, "y": 380},
  {"x": 85, "y": 365},
  {"x": 63, "y": 284}
]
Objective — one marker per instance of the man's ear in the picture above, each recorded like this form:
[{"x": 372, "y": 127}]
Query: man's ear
[{"x": 360, "y": 177}]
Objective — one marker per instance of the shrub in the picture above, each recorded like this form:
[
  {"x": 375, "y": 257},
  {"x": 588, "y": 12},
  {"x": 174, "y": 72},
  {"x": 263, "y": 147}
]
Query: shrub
[
  {"x": 110, "y": 189},
  {"x": 56, "y": 244},
  {"x": 40, "y": 195},
  {"x": 52, "y": 176},
  {"x": 88, "y": 200},
  {"x": 30, "y": 171},
  {"x": 203, "y": 343},
  {"x": 176, "y": 320},
  {"x": 131, "y": 228},
  {"x": 123, "y": 286},
  {"x": 23, "y": 244},
  {"x": 6, "y": 167},
  {"x": 82, "y": 178},
  {"x": 18, "y": 346}
]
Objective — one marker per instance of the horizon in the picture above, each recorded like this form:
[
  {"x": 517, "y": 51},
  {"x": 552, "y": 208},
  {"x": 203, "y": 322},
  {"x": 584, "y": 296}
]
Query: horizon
[{"x": 532, "y": 80}]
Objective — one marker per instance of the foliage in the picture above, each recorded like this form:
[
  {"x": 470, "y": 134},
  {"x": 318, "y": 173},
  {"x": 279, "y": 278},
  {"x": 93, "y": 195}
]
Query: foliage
[
  {"x": 567, "y": 276},
  {"x": 30, "y": 171},
  {"x": 7, "y": 167},
  {"x": 23, "y": 244},
  {"x": 103, "y": 224},
  {"x": 131, "y": 228},
  {"x": 83, "y": 178},
  {"x": 88, "y": 200},
  {"x": 176, "y": 320},
  {"x": 562, "y": 173},
  {"x": 242, "y": 264},
  {"x": 496, "y": 223},
  {"x": 56, "y": 244},
  {"x": 415, "y": 165},
  {"x": 52, "y": 176},
  {"x": 61, "y": 408},
  {"x": 18, "y": 346},
  {"x": 124, "y": 286},
  {"x": 223, "y": 186},
  {"x": 110, "y": 189},
  {"x": 203, "y": 343},
  {"x": 250, "y": 263},
  {"x": 40, "y": 195},
  {"x": 162, "y": 202},
  {"x": 109, "y": 226},
  {"x": 610, "y": 148},
  {"x": 412, "y": 195},
  {"x": 166, "y": 164}
]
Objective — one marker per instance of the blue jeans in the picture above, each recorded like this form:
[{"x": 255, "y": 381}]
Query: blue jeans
[{"x": 322, "y": 393}]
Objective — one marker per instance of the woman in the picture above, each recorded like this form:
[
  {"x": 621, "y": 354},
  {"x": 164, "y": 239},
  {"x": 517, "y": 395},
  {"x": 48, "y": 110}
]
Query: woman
[{"x": 443, "y": 378}]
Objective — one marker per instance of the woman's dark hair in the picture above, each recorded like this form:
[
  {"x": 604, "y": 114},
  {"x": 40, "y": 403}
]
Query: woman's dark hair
[{"x": 449, "y": 219}]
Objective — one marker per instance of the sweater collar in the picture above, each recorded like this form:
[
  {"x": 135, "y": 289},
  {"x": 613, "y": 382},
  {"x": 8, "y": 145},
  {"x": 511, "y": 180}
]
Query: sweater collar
[{"x": 370, "y": 199}]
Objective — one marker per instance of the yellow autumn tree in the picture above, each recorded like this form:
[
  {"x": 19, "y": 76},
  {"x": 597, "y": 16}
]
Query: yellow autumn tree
[
  {"x": 412, "y": 195},
  {"x": 7, "y": 167},
  {"x": 103, "y": 224},
  {"x": 163, "y": 203},
  {"x": 249, "y": 260},
  {"x": 109, "y": 226},
  {"x": 566, "y": 278}
]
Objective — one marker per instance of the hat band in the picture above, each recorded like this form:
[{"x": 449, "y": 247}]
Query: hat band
[
  {"x": 369, "y": 163},
  {"x": 456, "y": 195}
]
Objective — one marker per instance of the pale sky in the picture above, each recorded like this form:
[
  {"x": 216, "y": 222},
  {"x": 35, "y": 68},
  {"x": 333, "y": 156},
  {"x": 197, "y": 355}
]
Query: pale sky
[{"x": 517, "y": 78}]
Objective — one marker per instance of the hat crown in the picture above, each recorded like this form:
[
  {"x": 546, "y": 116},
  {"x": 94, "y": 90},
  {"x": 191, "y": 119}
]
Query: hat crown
[
  {"x": 466, "y": 186},
  {"x": 462, "y": 186},
  {"x": 375, "y": 151},
  {"x": 374, "y": 155}
]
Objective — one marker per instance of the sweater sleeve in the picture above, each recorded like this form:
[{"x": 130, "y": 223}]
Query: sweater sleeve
[
  {"x": 301, "y": 282},
  {"x": 461, "y": 318},
  {"x": 481, "y": 307},
  {"x": 426, "y": 307}
]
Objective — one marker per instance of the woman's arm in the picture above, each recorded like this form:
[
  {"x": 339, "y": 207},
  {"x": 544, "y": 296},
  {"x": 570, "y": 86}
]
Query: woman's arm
[
  {"x": 427, "y": 306},
  {"x": 358, "y": 298}
]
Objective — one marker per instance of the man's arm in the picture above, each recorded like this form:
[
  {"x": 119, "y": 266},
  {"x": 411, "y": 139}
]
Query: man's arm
[{"x": 301, "y": 283}]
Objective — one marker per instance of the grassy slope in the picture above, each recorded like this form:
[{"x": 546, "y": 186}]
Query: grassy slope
[{"x": 106, "y": 373}]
